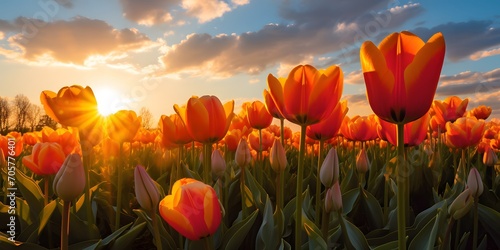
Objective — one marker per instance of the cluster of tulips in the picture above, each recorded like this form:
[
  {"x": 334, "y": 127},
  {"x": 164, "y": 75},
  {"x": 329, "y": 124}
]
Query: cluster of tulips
[{"x": 209, "y": 177}]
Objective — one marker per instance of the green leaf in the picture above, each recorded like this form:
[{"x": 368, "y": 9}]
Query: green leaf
[
  {"x": 259, "y": 194},
  {"x": 353, "y": 237},
  {"x": 348, "y": 200},
  {"x": 126, "y": 240},
  {"x": 45, "y": 215},
  {"x": 462, "y": 245},
  {"x": 104, "y": 243},
  {"x": 31, "y": 192},
  {"x": 372, "y": 208},
  {"x": 387, "y": 246},
  {"x": 236, "y": 234},
  {"x": 267, "y": 237},
  {"x": 166, "y": 239},
  {"x": 316, "y": 240},
  {"x": 423, "y": 238},
  {"x": 489, "y": 219},
  {"x": 7, "y": 244}
]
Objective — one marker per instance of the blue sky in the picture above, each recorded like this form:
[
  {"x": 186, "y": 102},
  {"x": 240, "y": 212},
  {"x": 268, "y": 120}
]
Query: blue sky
[{"x": 157, "y": 53}]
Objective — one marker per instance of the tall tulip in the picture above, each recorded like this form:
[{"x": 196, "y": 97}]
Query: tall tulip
[
  {"x": 359, "y": 128},
  {"x": 464, "y": 132},
  {"x": 192, "y": 209},
  {"x": 123, "y": 125},
  {"x": 400, "y": 69},
  {"x": 174, "y": 130},
  {"x": 415, "y": 131},
  {"x": 448, "y": 110},
  {"x": 45, "y": 159},
  {"x": 329, "y": 127},
  {"x": 306, "y": 97},
  {"x": 258, "y": 116}
]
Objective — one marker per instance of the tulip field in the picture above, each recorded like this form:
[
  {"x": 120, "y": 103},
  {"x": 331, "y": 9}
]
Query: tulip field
[{"x": 418, "y": 173}]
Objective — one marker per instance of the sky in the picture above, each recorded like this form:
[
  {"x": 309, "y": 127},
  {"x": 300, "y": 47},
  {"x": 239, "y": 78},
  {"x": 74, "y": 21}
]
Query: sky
[{"x": 157, "y": 53}]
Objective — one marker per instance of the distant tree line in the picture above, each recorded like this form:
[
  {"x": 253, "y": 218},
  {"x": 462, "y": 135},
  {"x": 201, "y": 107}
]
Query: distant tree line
[{"x": 19, "y": 114}]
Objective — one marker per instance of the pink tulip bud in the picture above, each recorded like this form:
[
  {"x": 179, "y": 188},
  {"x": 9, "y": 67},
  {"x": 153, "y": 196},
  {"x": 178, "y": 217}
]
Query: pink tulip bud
[
  {"x": 278, "y": 157},
  {"x": 218, "y": 163},
  {"x": 146, "y": 192},
  {"x": 333, "y": 199},
  {"x": 362, "y": 162},
  {"x": 461, "y": 205},
  {"x": 243, "y": 155},
  {"x": 490, "y": 158},
  {"x": 70, "y": 179},
  {"x": 329, "y": 171},
  {"x": 474, "y": 182}
]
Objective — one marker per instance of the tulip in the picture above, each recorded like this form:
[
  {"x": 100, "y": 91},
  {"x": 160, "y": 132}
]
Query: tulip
[
  {"x": 73, "y": 106},
  {"x": 461, "y": 205},
  {"x": 277, "y": 157},
  {"x": 362, "y": 162},
  {"x": 265, "y": 144},
  {"x": 174, "y": 130},
  {"x": 415, "y": 132},
  {"x": 464, "y": 132},
  {"x": 146, "y": 191},
  {"x": 258, "y": 116},
  {"x": 243, "y": 156},
  {"x": 69, "y": 182},
  {"x": 474, "y": 183},
  {"x": 359, "y": 128},
  {"x": 329, "y": 127},
  {"x": 448, "y": 110},
  {"x": 329, "y": 172},
  {"x": 218, "y": 163},
  {"x": 333, "y": 199},
  {"x": 401, "y": 68},
  {"x": 31, "y": 138},
  {"x": 123, "y": 125},
  {"x": 7, "y": 149},
  {"x": 192, "y": 209},
  {"x": 481, "y": 112},
  {"x": 206, "y": 119},
  {"x": 45, "y": 159},
  {"x": 490, "y": 158}
]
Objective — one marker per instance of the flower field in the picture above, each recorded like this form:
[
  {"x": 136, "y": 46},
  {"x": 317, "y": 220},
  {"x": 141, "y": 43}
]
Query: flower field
[{"x": 419, "y": 173}]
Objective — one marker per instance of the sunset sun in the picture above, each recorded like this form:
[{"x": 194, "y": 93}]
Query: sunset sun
[{"x": 107, "y": 101}]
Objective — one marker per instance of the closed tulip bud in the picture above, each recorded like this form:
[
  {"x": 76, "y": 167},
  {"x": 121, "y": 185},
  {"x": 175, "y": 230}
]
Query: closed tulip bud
[
  {"x": 474, "y": 183},
  {"x": 362, "y": 162},
  {"x": 329, "y": 171},
  {"x": 490, "y": 158},
  {"x": 146, "y": 192},
  {"x": 333, "y": 199},
  {"x": 461, "y": 205},
  {"x": 218, "y": 163},
  {"x": 278, "y": 157},
  {"x": 243, "y": 155},
  {"x": 70, "y": 180}
]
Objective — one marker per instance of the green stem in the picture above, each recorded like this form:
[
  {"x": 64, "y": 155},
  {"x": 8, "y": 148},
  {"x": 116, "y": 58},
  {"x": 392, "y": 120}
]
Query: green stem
[
  {"x": 476, "y": 218},
  {"x": 282, "y": 131},
  {"x": 207, "y": 162},
  {"x": 260, "y": 168},
  {"x": 324, "y": 224},
  {"x": 446, "y": 243},
  {"x": 156, "y": 230},
  {"x": 209, "y": 243},
  {"x": 119, "y": 189},
  {"x": 279, "y": 202},
  {"x": 386, "y": 197},
  {"x": 244, "y": 212},
  {"x": 300, "y": 176},
  {"x": 318, "y": 186},
  {"x": 46, "y": 190},
  {"x": 86, "y": 165},
  {"x": 65, "y": 225},
  {"x": 402, "y": 182}
]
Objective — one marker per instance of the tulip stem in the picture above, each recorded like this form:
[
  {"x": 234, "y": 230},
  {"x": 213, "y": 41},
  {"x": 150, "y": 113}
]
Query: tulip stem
[
  {"x": 402, "y": 182},
  {"x": 318, "y": 186},
  {"x": 476, "y": 218},
  {"x": 65, "y": 225},
  {"x": 282, "y": 131},
  {"x": 87, "y": 149},
  {"x": 325, "y": 224},
  {"x": 207, "y": 162},
  {"x": 119, "y": 189},
  {"x": 209, "y": 243},
  {"x": 156, "y": 229},
  {"x": 260, "y": 159},
  {"x": 279, "y": 202},
  {"x": 298, "y": 198},
  {"x": 446, "y": 243},
  {"x": 244, "y": 212}
]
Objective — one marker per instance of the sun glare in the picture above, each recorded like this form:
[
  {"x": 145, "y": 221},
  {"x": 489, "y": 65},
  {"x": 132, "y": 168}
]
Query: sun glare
[{"x": 107, "y": 100}]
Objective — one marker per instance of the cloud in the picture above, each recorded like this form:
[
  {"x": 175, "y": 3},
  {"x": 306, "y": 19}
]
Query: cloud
[
  {"x": 485, "y": 53},
  {"x": 205, "y": 10},
  {"x": 488, "y": 99},
  {"x": 356, "y": 99},
  {"x": 313, "y": 31},
  {"x": 72, "y": 42},
  {"x": 148, "y": 12},
  {"x": 354, "y": 77},
  {"x": 465, "y": 39},
  {"x": 470, "y": 83},
  {"x": 65, "y": 3}
]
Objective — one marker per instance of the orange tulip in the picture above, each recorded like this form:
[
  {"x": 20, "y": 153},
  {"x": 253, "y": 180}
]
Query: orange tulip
[
  {"x": 359, "y": 128},
  {"x": 308, "y": 95},
  {"x": 481, "y": 112},
  {"x": 206, "y": 119},
  {"x": 415, "y": 131},
  {"x": 271, "y": 106},
  {"x": 448, "y": 110},
  {"x": 45, "y": 159},
  {"x": 7, "y": 148},
  {"x": 174, "y": 130},
  {"x": 232, "y": 139},
  {"x": 73, "y": 106},
  {"x": 402, "y": 74},
  {"x": 329, "y": 127},
  {"x": 123, "y": 125},
  {"x": 192, "y": 209},
  {"x": 31, "y": 138},
  {"x": 258, "y": 116},
  {"x": 464, "y": 132},
  {"x": 267, "y": 140},
  {"x": 110, "y": 148}
]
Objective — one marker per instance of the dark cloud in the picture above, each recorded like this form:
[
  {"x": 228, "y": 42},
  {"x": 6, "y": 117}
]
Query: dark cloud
[
  {"x": 65, "y": 3},
  {"x": 73, "y": 41},
  {"x": 463, "y": 39},
  {"x": 351, "y": 23}
]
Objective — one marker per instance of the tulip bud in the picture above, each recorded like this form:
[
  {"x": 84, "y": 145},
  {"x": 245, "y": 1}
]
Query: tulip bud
[
  {"x": 362, "y": 162},
  {"x": 70, "y": 179},
  {"x": 474, "y": 183},
  {"x": 146, "y": 192},
  {"x": 218, "y": 163},
  {"x": 329, "y": 171},
  {"x": 490, "y": 158},
  {"x": 333, "y": 199},
  {"x": 243, "y": 155},
  {"x": 278, "y": 157},
  {"x": 461, "y": 205}
]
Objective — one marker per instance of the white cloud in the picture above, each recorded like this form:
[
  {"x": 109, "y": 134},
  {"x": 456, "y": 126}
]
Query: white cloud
[{"x": 205, "y": 10}]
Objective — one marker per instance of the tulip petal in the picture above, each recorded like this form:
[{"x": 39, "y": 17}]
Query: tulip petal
[
  {"x": 176, "y": 219},
  {"x": 276, "y": 91}
]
